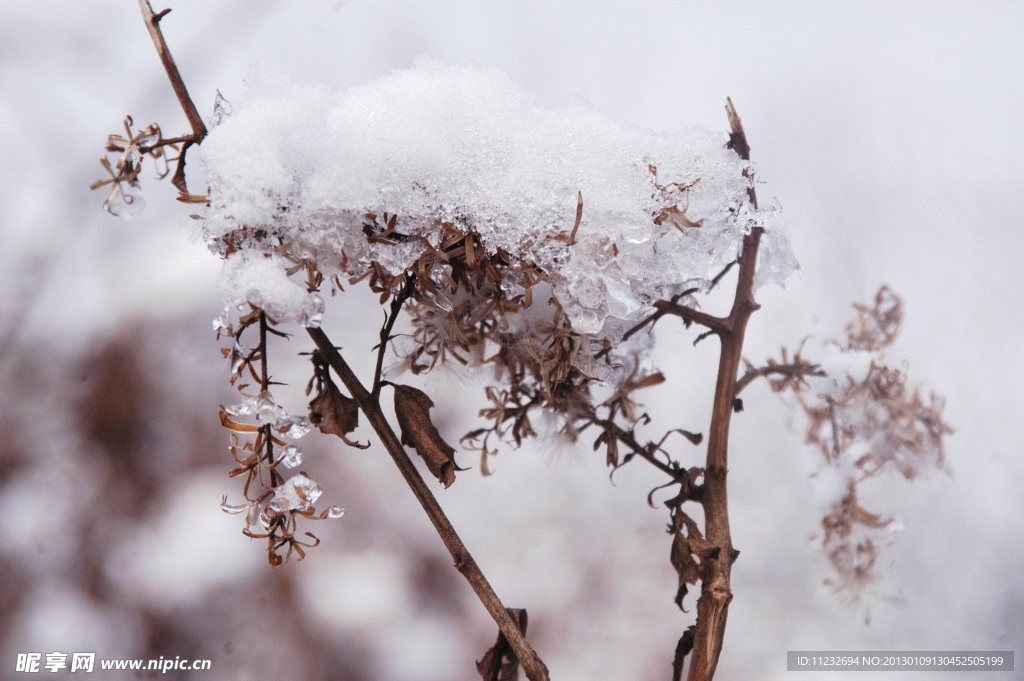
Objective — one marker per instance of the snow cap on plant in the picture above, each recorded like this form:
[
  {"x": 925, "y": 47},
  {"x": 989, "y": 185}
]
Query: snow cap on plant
[
  {"x": 385, "y": 172},
  {"x": 535, "y": 238}
]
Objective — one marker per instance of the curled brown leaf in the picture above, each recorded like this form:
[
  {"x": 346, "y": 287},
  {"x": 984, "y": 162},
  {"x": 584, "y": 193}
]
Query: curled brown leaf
[
  {"x": 412, "y": 407},
  {"x": 686, "y": 548},
  {"x": 500, "y": 662},
  {"x": 334, "y": 413}
]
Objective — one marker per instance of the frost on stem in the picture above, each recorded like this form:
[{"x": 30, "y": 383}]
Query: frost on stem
[{"x": 866, "y": 422}]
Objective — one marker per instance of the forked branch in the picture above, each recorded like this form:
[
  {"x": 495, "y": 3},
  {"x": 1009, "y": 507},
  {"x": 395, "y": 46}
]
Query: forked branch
[
  {"x": 195, "y": 121},
  {"x": 187, "y": 105}
]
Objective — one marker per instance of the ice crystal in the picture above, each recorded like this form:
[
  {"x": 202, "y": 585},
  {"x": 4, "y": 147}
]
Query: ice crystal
[
  {"x": 291, "y": 456},
  {"x": 298, "y": 493},
  {"x": 293, "y": 427},
  {"x": 222, "y": 109},
  {"x": 267, "y": 409}
]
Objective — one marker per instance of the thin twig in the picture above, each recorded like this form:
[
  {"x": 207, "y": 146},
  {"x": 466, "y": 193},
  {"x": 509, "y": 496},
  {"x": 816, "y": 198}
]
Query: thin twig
[
  {"x": 677, "y": 474},
  {"x": 268, "y": 433},
  {"x": 688, "y": 314},
  {"x": 649, "y": 320},
  {"x": 738, "y": 143},
  {"x": 385, "y": 332},
  {"x": 370, "y": 405},
  {"x": 721, "y": 275},
  {"x": 670, "y": 306},
  {"x": 165, "y": 141},
  {"x": 195, "y": 121},
  {"x": 790, "y": 370},
  {"x": 671, "y": 303}
]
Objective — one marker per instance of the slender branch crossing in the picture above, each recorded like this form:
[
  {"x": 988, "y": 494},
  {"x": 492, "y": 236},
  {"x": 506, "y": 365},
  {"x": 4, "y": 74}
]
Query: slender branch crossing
[{"x": 531, "y": 663}]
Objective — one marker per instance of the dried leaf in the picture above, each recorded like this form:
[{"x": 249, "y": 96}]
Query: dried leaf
[
  {"x": 683, "y": 648},
  {"x": 412, "y": 407},
  {"x": 571, "y": 239},
  {"x": 334, "y": 413},
  {"x": 684, "y": 548},
  {"x": 694, "y": 438},
  {"x": 499, "y": 662},
  {"x": 237, "y": 427},
  {"x": 677, "y": 218}
]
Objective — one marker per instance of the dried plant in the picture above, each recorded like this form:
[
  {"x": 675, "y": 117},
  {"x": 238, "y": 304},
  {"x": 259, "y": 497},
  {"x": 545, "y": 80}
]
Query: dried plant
[
  {"x": 472, "y": 296},
  {"x": 866, "y": 422},
  {"x": 272, "y": 505}
]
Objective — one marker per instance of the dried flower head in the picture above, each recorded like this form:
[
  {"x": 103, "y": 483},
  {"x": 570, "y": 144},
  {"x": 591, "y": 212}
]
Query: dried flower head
[{"x": 865, "y": 421}]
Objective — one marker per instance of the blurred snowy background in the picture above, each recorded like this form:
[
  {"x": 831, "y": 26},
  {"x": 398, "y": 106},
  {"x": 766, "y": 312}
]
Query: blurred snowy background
[{"x": 889, "y": 131}]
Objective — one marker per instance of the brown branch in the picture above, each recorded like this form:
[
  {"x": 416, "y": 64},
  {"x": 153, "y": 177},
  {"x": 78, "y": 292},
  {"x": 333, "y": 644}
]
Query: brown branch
[
  {"x": 195, "y": 121},
  {"x": 689, "y": 315},
  {"x": 636, "y": 449},
  {"x": 721, "y": 275},
  {"x": 649, "y": 320},
  {"x": 789, "y": 370},
  {"x": 716, "y": 566},
  {"x": 533, "y": 666},
  {"x": 165, "y": 141},
  {"x": 191, "y": 113},
  {"x": 738, "y": 143},
  {"x": 385, "y": 332},
  {"x": 275, "y": 477},
  {"x": 713, "y": 606}
]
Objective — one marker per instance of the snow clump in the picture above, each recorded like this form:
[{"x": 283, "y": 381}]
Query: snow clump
[{"x": 371, "y": 178}]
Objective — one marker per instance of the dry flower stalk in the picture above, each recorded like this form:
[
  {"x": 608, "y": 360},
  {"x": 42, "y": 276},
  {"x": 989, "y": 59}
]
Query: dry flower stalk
[{"x": 864, "y": 427}]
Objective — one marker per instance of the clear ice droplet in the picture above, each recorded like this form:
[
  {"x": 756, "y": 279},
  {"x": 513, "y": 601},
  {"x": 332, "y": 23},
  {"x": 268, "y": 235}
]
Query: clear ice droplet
[
  {"x": 293, "y": 427},
  {"x": 291, "y": 456},
  {"x": 222, "y": 109},
  {"x": 268, "y": 410}
]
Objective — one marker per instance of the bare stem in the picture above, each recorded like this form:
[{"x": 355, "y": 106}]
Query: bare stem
[
  {"x": 716, "y": 565},
  {"x": 191, "y": 113},
  {"x": 385, "y": 332},
  {"x": 267, "y": 429},
  {"x": 636, "y": 449},
  {"x": 195, "y": 121},
  {"x": 713, "y": 606},
  {"x": 369, "y": 404}
]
